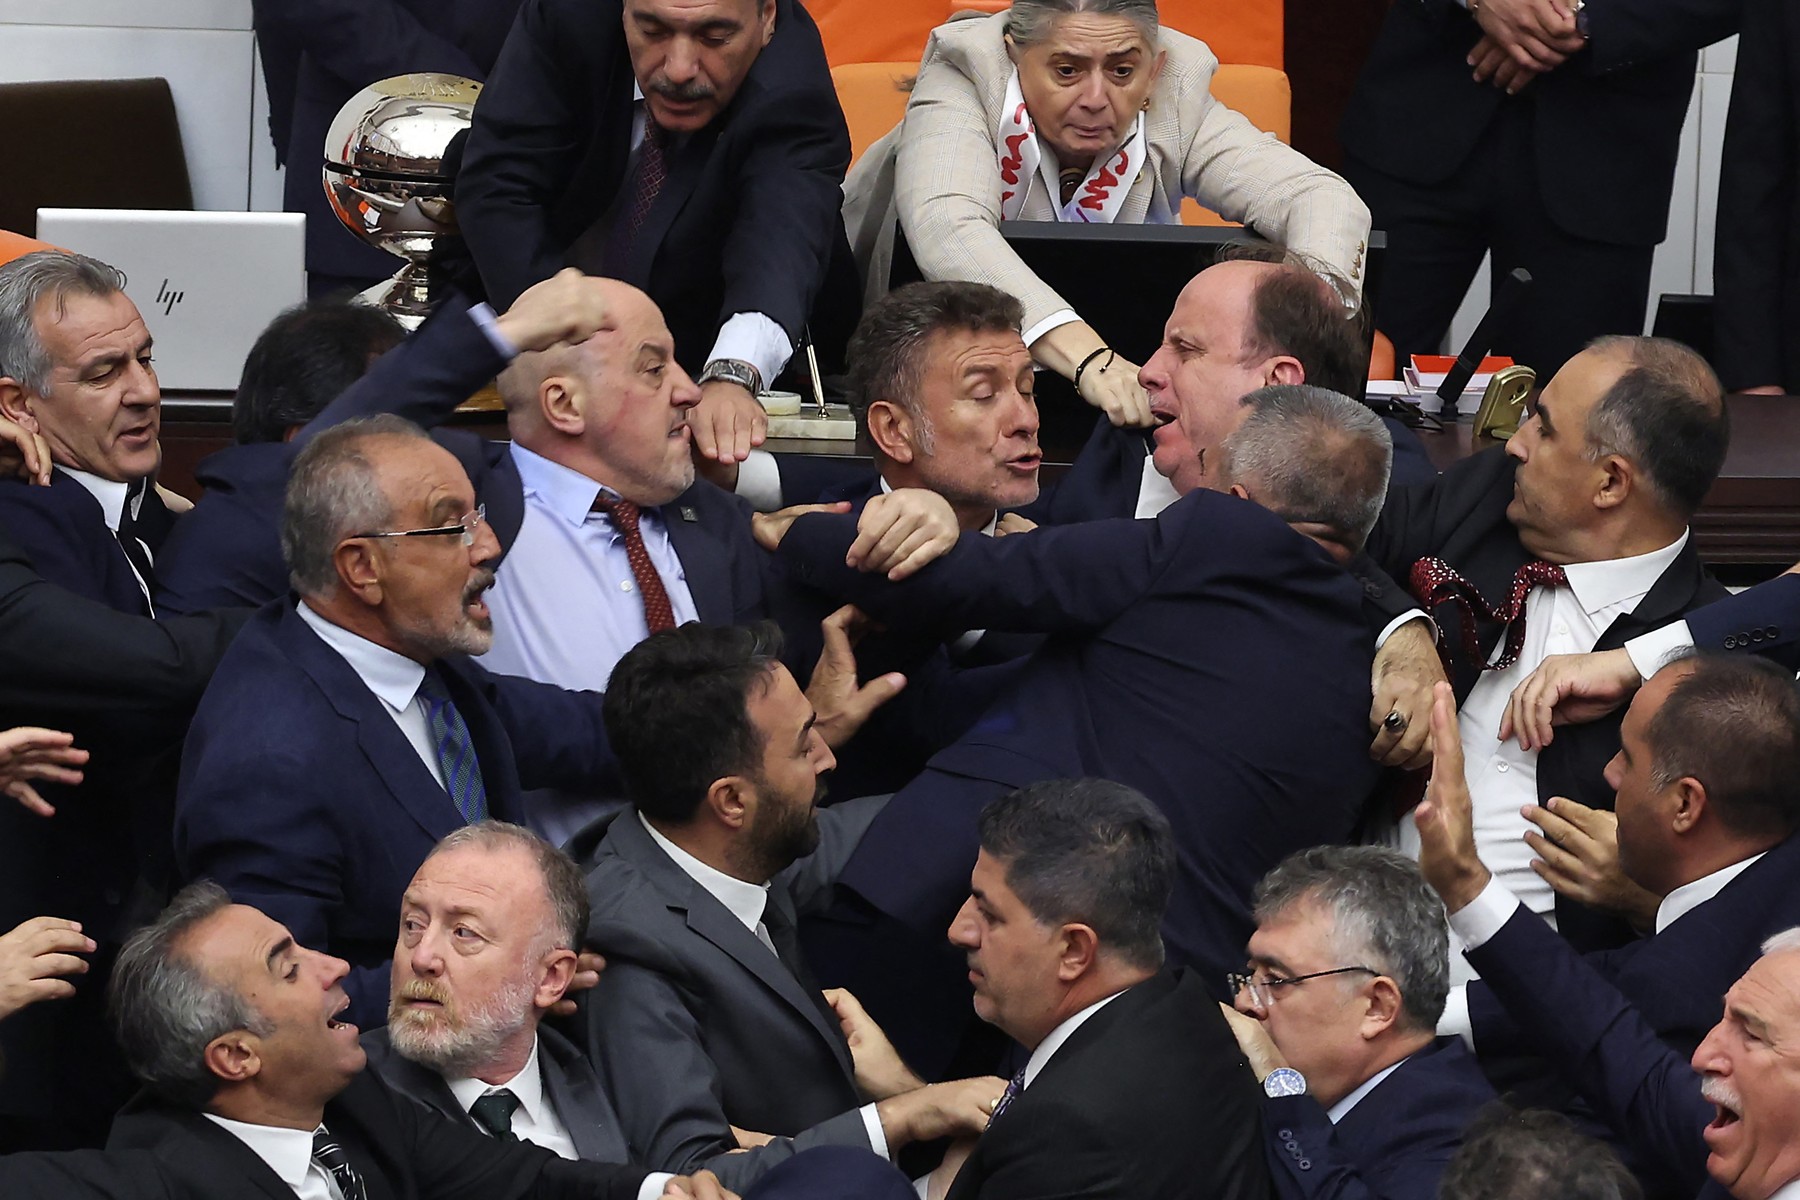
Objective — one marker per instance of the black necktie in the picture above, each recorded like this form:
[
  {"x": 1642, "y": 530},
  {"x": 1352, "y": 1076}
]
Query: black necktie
[
  {"x": 136, "y": 552},
  {"x": 494, "y": 1113},
  {"x": 787, "y": 949},
  {"x": 328, "y": 1154}
]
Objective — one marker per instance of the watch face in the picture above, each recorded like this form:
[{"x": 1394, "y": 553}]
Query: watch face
[{"x": 1284, "y": 1081}]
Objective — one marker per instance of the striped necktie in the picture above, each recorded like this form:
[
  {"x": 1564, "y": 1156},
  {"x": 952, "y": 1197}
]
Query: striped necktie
[
  {"x": 455, "y": 751},
  {"x": 328, "y": 1154}
]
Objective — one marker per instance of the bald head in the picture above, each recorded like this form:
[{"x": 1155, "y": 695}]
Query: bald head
[{"x": 613, "y": 407}]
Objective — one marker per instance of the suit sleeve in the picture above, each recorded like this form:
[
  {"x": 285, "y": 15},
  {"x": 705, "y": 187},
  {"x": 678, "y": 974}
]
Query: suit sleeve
[
  {"x": 1317, "y": 1168},
  {"x": 1583, "y": 1024},
  {"x": 841, "y": 829},
  {"x": 449, "y": 1164},
  {"x": 1625, "y": 33},
  {"x": 667, "y": 1090},
  {"x": 558, "y": 736},
  {"x": 83, "y": 1175},
  {"x": 1753, "y": 242},
  {"x": 61, "y": 653},
  {"x": 523, "y": 144},
  {"x": 1060, "y": 580},
  {"x": 1084, "y": 1166},
  {"x": 1771, "y": 609},
  {"x": 361, "y": 41}
]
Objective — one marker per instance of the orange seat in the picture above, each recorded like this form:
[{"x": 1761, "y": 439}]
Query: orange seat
[
  {"x": 1381, "y": 358},
  {"x": 873, "y": 97},
  {"x": 1262, "y": 95},
  {"x": 17, "y": 245}
]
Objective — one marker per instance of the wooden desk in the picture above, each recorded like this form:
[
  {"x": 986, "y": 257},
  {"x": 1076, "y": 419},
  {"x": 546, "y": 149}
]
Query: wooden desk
[{"x": 1752, "y": 515}]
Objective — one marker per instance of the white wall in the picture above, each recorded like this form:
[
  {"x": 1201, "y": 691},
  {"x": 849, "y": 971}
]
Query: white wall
[
  {"x": 204, "y": 48},
  {"x": 1683, "y": 263}
]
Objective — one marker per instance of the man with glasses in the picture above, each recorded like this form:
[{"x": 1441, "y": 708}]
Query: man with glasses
[
  {"x": 1337, "y": 1012},
  {"x": 345, "y": 733}
]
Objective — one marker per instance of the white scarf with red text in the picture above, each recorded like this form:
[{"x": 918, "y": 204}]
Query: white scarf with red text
[{"x": 1100, "y": 195}]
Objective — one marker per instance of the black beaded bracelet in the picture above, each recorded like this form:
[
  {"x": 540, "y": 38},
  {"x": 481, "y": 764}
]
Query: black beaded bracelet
[{"x": 1106, "y": 350}]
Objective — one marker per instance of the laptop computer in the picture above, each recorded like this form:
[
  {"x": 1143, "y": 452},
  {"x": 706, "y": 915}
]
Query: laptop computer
[{"x": 207, "y": 283}]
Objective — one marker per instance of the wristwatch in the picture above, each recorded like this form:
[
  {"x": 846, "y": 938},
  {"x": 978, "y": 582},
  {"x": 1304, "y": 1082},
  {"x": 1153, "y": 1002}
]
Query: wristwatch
[
  {"x": 736, "y": 370},
  {"x": 1284, "y": 1081},
  {"x": 1578, "y": 8}
]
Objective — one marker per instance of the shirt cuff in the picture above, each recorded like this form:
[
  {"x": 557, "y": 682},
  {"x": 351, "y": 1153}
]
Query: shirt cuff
[
  {"x": 759, "y": 481},
  {"x": 1411, "y": 614},
  {"x": 877, "y": 1137},
  {"x": 1455, "y": 1021},
  {"x": 1062, "y": 316},
  {"x": 653, "y": 1184},
  {"x": 1649, "y": 651},
  {"x": 1482, "y": 917},
  {"x": 484, "y": 319},
  {"x": 757, "y": 340}
]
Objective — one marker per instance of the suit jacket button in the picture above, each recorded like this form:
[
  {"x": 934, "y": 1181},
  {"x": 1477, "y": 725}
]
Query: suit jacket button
[
  {"x": 1286, "y": 1135},
  {"x": 1293, "y": 1146},
  {"x": 1730, "y": 642},
  {"x": 1305, "y": 1164},
  {"x": 1756, "y": 635},
  {"x": 1773, "y": 631}
]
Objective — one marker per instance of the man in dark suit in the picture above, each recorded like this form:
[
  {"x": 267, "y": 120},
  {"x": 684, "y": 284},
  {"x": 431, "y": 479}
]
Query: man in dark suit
[
  {"x": 1152, "y": 621},
  {"x": 1544, "y": 133},
  {"x": 707, "y": 1020},
  {"x": 1133, "y": 1086},
  {"x": 316, "y": 55},
  {"x": 694, "y": 150},
  {"x": 1733, "y": 1130},
  {"x": 489, "y": 928},
  {"x": 1348, "y": 971},
  {"x": 1574, "y": 538},
  {"x": 316, "y": 367},
  {"x": 345, "y": 733},
  {"x": 1756, "y": 274}
]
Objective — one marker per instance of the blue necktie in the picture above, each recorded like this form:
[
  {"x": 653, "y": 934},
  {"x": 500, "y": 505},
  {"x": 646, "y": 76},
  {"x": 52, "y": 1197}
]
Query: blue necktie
[
  {"x": 1014, "y": 1086},
  {"x": 455, "y": 752}
]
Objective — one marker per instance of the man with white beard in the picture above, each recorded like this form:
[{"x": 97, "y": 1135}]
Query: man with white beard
[{"x": 489, "y": 929}]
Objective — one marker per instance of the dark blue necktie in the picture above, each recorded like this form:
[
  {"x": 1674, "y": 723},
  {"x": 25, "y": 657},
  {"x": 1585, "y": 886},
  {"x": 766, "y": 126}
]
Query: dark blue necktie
[{"x": 455, "y": 752}]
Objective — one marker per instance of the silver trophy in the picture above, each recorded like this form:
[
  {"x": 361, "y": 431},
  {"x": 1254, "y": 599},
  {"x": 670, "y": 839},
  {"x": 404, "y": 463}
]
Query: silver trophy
[{"x": 386, "y": 178}]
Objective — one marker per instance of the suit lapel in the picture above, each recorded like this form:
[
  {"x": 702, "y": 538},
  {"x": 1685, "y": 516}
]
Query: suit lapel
[
  {"x": 702, "y": 560},
  {"x": 1673, "y": 593},
  {"x": 575, "y": 1094},
  {"x": 389, "y": 754},
  {"x": 686, "y": 165}
]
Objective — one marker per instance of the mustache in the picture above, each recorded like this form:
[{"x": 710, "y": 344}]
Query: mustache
[
  {"x": 693, "y": 89},
  {"x": 480, "y": 582},
  {"x": 421, "y": 989},
  {"x": 1715, "y": 1090}
]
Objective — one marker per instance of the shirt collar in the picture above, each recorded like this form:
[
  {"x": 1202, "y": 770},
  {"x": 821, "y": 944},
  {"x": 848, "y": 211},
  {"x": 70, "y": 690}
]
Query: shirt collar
[
  {"x": 111, "y": 494},
  {"x": 288, "y": 1152},
  {"x": 986, "y": 530},
  {"x": 1612, "y": 582},
  {"x": 1047, "y": 1048},
  {"x": 393, "y": 677},
  {"x": 1689, "y": 896},
  {"x": 527, "y": 1087},
  {"x": 1341, "y": 1109},
  {"x": 745, "y": 900},
  {"x": 1788, "y": 1191}
]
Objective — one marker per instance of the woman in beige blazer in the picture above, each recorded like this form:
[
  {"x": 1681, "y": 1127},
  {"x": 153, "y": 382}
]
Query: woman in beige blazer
[{"x": 1080, "y": 110}]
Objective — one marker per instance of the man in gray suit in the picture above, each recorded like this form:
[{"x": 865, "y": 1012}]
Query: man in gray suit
[
  {"x": 489, "y": 928},
  {"x": 707, "y": 1027}
]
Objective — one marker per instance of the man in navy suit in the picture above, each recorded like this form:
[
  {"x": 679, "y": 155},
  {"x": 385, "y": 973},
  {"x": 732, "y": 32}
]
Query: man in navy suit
[
  {"x": 1741, "y": 1109},
  {"x": 693, "y": 149},
  {"x": 1338, "y": 1011},
  {"x": 345, "y": 733},
  {"x": 1157, "y": 626}
]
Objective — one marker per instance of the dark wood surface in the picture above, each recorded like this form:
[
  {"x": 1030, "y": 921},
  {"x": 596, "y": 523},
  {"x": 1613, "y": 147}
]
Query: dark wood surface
[{"x": 1751, "y": 517}]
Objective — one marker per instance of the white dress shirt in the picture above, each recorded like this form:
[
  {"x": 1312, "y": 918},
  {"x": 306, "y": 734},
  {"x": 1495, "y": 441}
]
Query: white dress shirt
[
  {"x": 1502, "y": 778},
  {"x": 1046, "y": 1049},
  {"x": 535, "y": 1120},
  {"x": 113, "y": 496},
  {"x": 288, "y": 1153},
  {"x": 1341, "y": 1109},
  {"x": 394, "y": 678},
  {"x": 746, "y": 901},
  {"x": 566, "y": 606}
]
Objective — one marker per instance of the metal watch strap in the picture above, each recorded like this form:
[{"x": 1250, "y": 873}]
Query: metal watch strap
[{"x": 736, "y": 370}]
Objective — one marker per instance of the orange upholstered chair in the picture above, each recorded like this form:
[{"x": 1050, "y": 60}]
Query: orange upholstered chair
[
  {"x": 1261, "y": 94},
  {"x": 873, "y": 98},
  {"x": 1381, "y": 358},
  {"x": 17, "y": 245}
]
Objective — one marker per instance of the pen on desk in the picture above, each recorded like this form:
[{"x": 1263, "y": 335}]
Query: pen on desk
[{"x": 818, "y": 385}]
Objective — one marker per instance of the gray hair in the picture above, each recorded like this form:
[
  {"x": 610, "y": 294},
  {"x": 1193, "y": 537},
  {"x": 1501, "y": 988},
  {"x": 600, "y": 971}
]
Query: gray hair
[
  {"x": 887, "y": 351},
  {"x": 1528, "y": 1154},
  {"x": 1782, "y": 943},
  {"x": 1029, "y": 22},
  {"x": 28, "y": 281},
  {"x": 1088, "y": 851},
  {"x": 333, "y": 493},
  {"x": 166, "y": 1011},
  {"x": 1313, "y": 455},
  {"x": 1383, "y": 916},
  {"x": 563, "y": 885}
]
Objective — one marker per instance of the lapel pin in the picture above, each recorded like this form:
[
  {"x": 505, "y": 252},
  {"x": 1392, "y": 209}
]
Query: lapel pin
[{"x": 688, "y": 514}]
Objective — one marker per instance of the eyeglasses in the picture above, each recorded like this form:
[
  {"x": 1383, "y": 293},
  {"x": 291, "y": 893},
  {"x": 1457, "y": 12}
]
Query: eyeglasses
[
  {"x": 464, "y": 527},
  {"x": 1262, "y": 991}
]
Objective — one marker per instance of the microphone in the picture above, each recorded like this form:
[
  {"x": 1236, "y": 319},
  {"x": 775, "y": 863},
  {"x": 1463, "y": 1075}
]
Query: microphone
[{"x": 1512, "y": 293}]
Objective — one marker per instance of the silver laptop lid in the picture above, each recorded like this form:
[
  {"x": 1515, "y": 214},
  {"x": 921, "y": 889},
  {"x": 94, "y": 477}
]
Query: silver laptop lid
[{"x": 206, "y": 282}]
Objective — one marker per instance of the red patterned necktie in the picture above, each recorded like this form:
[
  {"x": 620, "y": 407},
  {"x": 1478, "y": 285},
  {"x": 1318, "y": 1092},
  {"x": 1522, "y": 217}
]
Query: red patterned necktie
[
  {"x": 648, "y": 173},
  {"x": 1435, "y": 582},
  {"x": 659, "y": 614}
]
